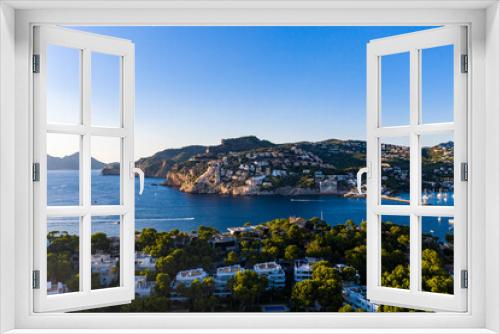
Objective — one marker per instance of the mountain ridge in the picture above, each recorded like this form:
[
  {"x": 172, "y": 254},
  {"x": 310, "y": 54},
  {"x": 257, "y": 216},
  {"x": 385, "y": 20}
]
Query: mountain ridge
[{"x": 70, "y": 162}]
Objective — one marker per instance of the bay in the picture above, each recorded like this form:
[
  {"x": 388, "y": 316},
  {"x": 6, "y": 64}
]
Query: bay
[{"x": 165, "y": 209}]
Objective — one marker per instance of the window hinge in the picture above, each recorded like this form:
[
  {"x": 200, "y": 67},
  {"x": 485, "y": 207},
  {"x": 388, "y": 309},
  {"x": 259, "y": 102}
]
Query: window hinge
[
  {"x": 36, "y": 172},
  {"x": 36, "y": 63},
  {"x": 36, "y": 279},
  {"x": 464, "y": 170},
  {"x": 464, "y": 279},
  {"x": 465, "y": 64}
]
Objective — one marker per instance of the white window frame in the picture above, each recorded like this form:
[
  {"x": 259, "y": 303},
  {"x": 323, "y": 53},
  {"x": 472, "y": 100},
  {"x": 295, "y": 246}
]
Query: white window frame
[
  {"x": 16, "y": 21},
  {"x": 86, "y": 44},
  {"x": 413, "y": 44}
]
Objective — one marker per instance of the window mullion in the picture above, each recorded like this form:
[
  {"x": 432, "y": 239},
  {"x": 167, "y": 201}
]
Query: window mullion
[
  {"x": 415, "y": 175},
  {"x": 85, "y": 175}
]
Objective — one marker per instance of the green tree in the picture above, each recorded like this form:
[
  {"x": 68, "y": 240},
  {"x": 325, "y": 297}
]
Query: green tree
[
  {"x": 330, "y": 294},
  {"x": 146, "y": 239},
  {"x": 145, "y": 304},
  {"x": 150, "y": 274},
  {"x": 349, "y": 274},
  {"x": 199, "y": 295},
  {"x": 73, "y": 283},
  {"x": 59, "y": 267},
  {"x": 246, "y": 288},
  {"x": 231, "y": 258},
  {"x": 356, "y": 257},
  {"x": 270, "y": 252},
  {"x": 434, "y": 277},
  {"x": 162, "y": 284},
  {"x": 205, "y": 232},
  {"x": 318, "y": 248},
  {"x": 346, "y": 308},
  {"x": 292, "y": 252},
  {"x": 322, "y": 271},
  {"x": 304, "y": 295},
  {"x": 100, "y": 243},
  {"x": 306, "y": 182},
  {"x": 329, "y": 286},
  {"x": 399, "y": 278}
]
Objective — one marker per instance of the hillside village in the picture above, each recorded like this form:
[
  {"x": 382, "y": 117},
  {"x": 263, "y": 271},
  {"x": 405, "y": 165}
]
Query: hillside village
[
  {"x": 327, "y": 167},
  {"x": 285, "y": 170}
]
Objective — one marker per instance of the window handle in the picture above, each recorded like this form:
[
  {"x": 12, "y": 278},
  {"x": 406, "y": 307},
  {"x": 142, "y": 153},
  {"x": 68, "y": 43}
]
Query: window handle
[
  {"x": 361, "y": 171},
  {"x": 139, "y": 172}
]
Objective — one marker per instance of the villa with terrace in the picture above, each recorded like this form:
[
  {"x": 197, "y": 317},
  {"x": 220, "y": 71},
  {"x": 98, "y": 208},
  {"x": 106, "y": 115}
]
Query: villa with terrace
[
  {"x": 143, "y": 287},
  {"x": 273, "y": 272},
  {"x": 303, "y": 269},
  {"x": 144, "y": 261},
  {"x": 106, "y": 266},
  {"x": 187, "y": 277},
  {"x": 356, "y": 297},
  {"x": 222, "y": 277}
]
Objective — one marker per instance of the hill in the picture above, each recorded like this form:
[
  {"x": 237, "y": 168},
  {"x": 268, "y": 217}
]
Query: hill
[
  {"x": 70, "y": 162},
  {"x": 159, "y": 164}
]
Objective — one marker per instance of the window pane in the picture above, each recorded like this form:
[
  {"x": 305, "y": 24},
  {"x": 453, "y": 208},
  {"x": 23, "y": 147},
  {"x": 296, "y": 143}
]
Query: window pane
[
  {"x": 63, "y": 85},
  {"x": 396, "y": 252},
  {"x": 437, "y": 254},
  {"x": 105, "y": 250},
  {"x": 106, "y": 90},
  {"x": 395, "y": 170},
  {"x": 63, "y": 169},
  {"x": 106, "y": 155},
  {"x": 63, "y": 255},
  {"x": 437, "y": 169},
  {"x": 395, "y": 89},
  {"x": 437, "y": 84}
]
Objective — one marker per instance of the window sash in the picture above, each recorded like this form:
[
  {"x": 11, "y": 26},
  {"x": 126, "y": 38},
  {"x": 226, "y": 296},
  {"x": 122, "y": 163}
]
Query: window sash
[
  {"x": 86, "y": 297},
  {"x": 413, "y": 43}
]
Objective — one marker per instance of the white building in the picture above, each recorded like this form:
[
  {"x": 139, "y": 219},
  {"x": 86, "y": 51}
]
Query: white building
[
  {"x": 187, "y": 277},
  {"x": 302, "y": 269},
  {"x": 356, "y": 297},
  {"x": 224, "y": 242},
  {"x": 144, "y": 261},
  {"x": 143, "y": 287},
  {"x": 222, "y": 277},
  {"x": 340, "y": 267},
  {"x": 240, "y": 229},
  {"x": 54, "y": 289},
  {"x": 255, "y": 181},
  {"x": 328, "y": 186},
  {"x": 279, "y": 172},
  {"x": 107, "y": 268},
  {"x": 273, "y": 272}
]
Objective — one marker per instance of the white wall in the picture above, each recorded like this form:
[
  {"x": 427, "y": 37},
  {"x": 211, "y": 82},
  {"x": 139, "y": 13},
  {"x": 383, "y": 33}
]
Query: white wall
[
  {"x": 492, "y": 212},
  {"x": 6, "y": 166}
]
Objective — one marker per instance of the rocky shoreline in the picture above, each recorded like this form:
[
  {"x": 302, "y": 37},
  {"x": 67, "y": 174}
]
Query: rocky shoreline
[{"x": 203, "y": 185}]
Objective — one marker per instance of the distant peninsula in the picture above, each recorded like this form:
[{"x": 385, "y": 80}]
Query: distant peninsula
[{"x": 252, "y": 166}]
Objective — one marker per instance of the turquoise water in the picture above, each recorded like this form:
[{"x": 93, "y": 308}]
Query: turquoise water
[{"x": 164, "y": 208}]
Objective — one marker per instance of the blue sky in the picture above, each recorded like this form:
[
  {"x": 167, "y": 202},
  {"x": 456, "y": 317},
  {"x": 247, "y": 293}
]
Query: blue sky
[{"x": 196, "y": 85}]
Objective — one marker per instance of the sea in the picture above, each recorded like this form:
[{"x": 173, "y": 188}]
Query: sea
[{"x": 164, "y": 208}]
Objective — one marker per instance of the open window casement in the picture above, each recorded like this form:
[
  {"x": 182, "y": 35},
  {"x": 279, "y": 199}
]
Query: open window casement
[
  {"x": 78, "y": 74},
  {"x": 406, "y": 68}
]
